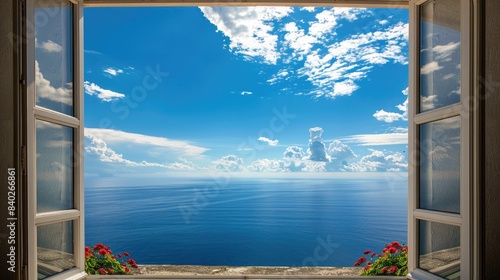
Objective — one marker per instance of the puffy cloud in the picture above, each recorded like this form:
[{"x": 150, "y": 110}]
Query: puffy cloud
[
  {"x": 230, "y": 163},
  {"x": 268, "y": 141},
  {"x": 100, "y": 148},
  {"x": 340, "y": 151},
  {"x": 249, "y": 29},
  {"x": 317, "y": 149},
  {"x": 254, "y": 32},
  {"x": 45, "y": 90},
  {"x": 390, "y": 117},
  {"x": 267, "y": 165},
  {"x": 335, "y": 72},
  {"x": 379, "y": 161},
  {"x": 246, "y": 93},
  {"x": 112, "y": 71},
  {"x": 103, "y": 94},
  {"x": 121, "y": 137},
  {"x": 430, "y": 67},
  {"x": 49, "y": 46},
  {"x": 294, "y": 152}
]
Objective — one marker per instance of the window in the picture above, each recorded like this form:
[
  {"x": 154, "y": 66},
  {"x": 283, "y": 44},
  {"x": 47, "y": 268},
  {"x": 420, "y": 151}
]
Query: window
[
  {"x": 54, "y": 123},
  {"x": 440, "y": 125},
  {"x": 440, "y": 128}
]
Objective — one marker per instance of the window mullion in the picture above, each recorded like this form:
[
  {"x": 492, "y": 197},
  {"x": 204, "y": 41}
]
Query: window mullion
[
  {"x": 436, "y": 216},
  {"x": 56, "y": 216},
  {"x": 55, "y": 117},
  {"x": 438, "y": 114}
]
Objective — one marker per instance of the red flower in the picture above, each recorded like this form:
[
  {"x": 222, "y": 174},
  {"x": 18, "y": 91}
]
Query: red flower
[
  {"x": 362, "y": 260},
  {"x": 393, "y": 250},
  {"x": 135, "y": 266},
  {"x": 369, "y": 263},
  {"x": 374, "y": 254},
  {"x": 98, "y": 246},
  {"x": 366, "y": 268},
  {"x": 357, "y": 264},
  {"x": 119, "y": 256},
  {"x": 393, "y": 269},
  {"x": 131, "y": 261},
  {"x": 103, "y": 252},
  {"x": 126, "y": 254},
  {"x": 102, "y": 271},
  {"x": 396, "y": 244},
  {"x": 127, "y": 270},
  {"x": 380, "y": 255},
  {"x": 384, "y": 270},
  {"x": 111, "y": 271},
  {"x": 384, "y": 250},
  {"x": 367, "y": 252}
]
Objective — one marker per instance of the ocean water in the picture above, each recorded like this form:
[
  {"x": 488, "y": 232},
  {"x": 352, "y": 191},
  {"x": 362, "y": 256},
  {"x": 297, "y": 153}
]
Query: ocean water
[{"x": 271, "y": 222}]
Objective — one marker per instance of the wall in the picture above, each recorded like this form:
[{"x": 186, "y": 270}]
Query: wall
[
  {"x": 8, "y": 128},
  {"x": 492, "y": 139}
]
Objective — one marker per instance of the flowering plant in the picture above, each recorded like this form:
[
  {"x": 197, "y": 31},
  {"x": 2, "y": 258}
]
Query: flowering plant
[
  {"x": 392, "y": 261},
  {"x": 100, "y": 260}
]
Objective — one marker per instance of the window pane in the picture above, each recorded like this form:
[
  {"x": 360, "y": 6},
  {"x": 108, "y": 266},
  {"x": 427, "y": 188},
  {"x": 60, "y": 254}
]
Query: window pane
[
  {"x": 55, "y": 248},
  {"x": 54, "y": 55},
  {"x": 54, "y": 167},
  {"x": 440, "y": 249},
  {"x": 440, "y": 165},
  {"x": 439, "y": 54}
]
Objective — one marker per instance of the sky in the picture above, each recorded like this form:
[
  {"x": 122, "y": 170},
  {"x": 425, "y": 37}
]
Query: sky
[{"x": 246, "y": 90}]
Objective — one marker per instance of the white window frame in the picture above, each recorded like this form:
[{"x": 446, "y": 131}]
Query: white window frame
[
  {"x": 34, "y": 113},
  {"x": 467, "y": 109}
]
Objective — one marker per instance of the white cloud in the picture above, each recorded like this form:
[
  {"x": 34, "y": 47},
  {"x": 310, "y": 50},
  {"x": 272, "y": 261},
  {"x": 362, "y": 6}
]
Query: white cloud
[
  {"x": 309, "y": 9},
  {"x": 246, "y": 93},
  {"x": 428, "y": 102},
  {"x": 45, "y": 90},
  {"x": 254, "y": 32},
  {"x": 229, "y": 163},
  {"x": 267, "y": 165},
  {"x": 121, "y": 137},
  {"x": 390, "y": 117},
  {"x": 100, "y": 148},
  {"x": 340, "y": 151},
  {"x": 268, "y": 141},
  {"x": 396, "y": 138},
  {"x": 249, "y": 29},
  {"x": 49, "y": 46},
  {"x": 430, "y": 67},
  {"x": 112, "y": 71},
  {"x": 103, "y": 94},
  {"x": 294, "y": 152},
  {"x": 379, "y": 161},
  {"x": 383, "y": 22},
  {"x": 444, "y": 52},
  {"x": 317, "y": 149},
  {"x": 335, "y": 73}
]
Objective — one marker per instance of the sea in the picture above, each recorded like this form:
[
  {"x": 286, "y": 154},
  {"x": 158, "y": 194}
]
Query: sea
[{"x": 248, "y": 221}]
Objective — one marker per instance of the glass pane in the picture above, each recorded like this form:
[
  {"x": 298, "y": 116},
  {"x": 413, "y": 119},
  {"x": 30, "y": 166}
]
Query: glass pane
[
  {"x": 54, "y": 55},
  {"x": 439, "y": 54},
  {"x": 440, "y": 249},
  {"x": 54, "y": 167},
  {"x": 440, "y": 165},
  {"x": 55, "y": 249}
]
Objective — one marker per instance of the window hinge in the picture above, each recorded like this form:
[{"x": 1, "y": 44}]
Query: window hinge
[{"x": 23, "y": 159}]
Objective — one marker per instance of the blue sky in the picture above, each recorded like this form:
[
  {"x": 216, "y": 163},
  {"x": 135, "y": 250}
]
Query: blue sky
[{"x": 251, "y": 90}]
